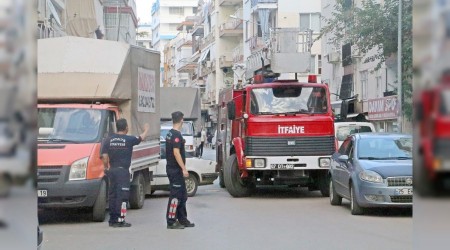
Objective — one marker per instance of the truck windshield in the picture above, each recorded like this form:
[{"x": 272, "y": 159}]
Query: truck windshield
[
  {"x": 445, "y": 102},
  {"x": 69, "y": 125},
  {"x": 289, "y": 99},
  {"x": 187, "y": 129}
]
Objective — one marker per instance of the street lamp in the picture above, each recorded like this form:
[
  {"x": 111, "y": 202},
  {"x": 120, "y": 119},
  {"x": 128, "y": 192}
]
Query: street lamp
[{"x": 399, "y": 68}]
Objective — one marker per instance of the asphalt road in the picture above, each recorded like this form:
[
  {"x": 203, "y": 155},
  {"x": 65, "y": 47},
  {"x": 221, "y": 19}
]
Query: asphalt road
[{"x": 270, "y": 219}]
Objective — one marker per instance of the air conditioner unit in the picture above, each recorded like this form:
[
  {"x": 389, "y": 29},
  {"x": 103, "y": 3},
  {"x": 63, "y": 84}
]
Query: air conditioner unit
[{"x": 334, "y": 57}]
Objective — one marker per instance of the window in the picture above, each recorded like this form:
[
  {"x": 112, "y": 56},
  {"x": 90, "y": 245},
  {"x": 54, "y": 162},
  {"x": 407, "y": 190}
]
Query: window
[
  {"x": 379, "y": 86},
  {"x": 313, "y": 64},
  {"x": 310, "y": 21},
  {"x": 194, "y": 10},
  {"x": 364, "y": 84},
  {"x": 319, "y": 64},
  {"x": 176, "y": 11}
]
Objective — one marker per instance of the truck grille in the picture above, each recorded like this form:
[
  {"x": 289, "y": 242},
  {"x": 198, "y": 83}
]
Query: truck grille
[
  {"x": 400, "y": 181},
  {"x": 401, "y": 198},
  {"x": 290, "y": 146},
  {"x": 48, "y": 174}
]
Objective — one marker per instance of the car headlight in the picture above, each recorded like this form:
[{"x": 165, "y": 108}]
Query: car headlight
[
  {"x": 370, "y": 176},
  {"x": 324, "y": 162},
  {"x": 260, "y": 163},
  {"x": 78, "y": 169}
]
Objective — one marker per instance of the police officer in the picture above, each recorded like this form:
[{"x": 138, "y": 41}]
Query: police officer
[
  {"x": 116, "y": 155},
  {"x": 176, "y": 171}
]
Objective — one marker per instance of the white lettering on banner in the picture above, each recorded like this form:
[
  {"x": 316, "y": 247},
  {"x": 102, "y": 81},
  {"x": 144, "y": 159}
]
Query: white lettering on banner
[
  {"x": 383, "y": 108},
  {"x": 291, "y": 129},
  {"x": 146, "y": 91}
]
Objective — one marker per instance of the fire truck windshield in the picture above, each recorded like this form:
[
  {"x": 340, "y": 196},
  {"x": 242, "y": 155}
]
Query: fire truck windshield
[
  {"x": 445, "y": 105},
  {"x": 289, "y": 100}
]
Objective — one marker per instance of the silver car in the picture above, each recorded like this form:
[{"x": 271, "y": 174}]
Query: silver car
[{"x": 372, "y": 170}]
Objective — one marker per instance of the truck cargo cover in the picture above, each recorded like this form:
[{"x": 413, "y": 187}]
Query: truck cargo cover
[{"x": 186, "y": 100}]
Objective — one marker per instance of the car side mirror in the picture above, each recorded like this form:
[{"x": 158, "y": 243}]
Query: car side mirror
[
  {"x": 343, "y": 158},
  {"x": 231, "y": 108}
]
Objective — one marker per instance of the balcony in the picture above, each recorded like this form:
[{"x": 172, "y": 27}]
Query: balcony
[
  {"x": 198, "y": 30},
  {"x": 212, "y": 7},
  {"x": 238, "y": 54},
  {"x": 206, "y": 68},
  {"x": 210, "y": 38},
  {"x": 185, "y": 41},
  {"x": 226, "y": 60},
  {"x": 230, "y": 2},
  {"x": 233, "y": 26},
  {"x": 264, "y": 4},
  {"x": 256, "y": 44},
  {"x": 186, "y": 66}
]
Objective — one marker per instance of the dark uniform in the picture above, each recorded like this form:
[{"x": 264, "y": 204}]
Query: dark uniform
[
  {"x": 176, "y": 208},
  {"x": 119, "y": 149}
]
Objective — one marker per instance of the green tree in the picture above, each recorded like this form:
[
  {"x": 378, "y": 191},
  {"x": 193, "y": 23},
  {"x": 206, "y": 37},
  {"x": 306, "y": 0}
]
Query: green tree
[{"x": 374, "y": 27}]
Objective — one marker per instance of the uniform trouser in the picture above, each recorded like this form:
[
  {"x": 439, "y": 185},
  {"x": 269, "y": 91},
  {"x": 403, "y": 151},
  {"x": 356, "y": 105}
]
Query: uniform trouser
[
  {"x": 119, "y": 189},
  {"x": 176, "y": 208},
  {"x": 200, "y": 148}
]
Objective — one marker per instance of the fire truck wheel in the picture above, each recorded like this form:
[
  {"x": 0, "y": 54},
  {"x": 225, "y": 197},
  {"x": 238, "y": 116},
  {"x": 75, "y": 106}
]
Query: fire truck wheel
[
  {"x": 324, "y": 185},
  {"x": 98, "y": 210},
  {"x": 233, "y": 182},
  {"x": 221, "y": 180},
  {"x": 137, "y": 192}
]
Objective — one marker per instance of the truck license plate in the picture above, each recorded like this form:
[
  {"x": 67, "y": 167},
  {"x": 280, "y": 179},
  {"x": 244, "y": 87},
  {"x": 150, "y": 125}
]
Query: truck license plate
[
  {"x": 403, "y": 191},
  {"x": 282, "y": 166},
  {"x": 42, "y": 193}
]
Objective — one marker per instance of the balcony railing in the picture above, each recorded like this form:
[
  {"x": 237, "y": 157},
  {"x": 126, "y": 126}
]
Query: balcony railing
[
  {"x": 208, "y": 39},
  {"x": 256, "y": 43},
  {"x": 226, "y": 60},
  {"x": 230, "y": 2},
  {"x": 49, "y": 32},
  {"x": 238, "y": 54},
  {"x": 256, "y": 2},
  {"x": 233, "y": 26}
]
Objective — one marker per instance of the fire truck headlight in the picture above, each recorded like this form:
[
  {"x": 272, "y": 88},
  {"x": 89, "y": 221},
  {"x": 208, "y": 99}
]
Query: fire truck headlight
[
  {"x": 260, "y": 163},
  {"x": 324, "y": 162},
  {"x": 248, "y": 163},
  {"x": 78, "y": 169}
]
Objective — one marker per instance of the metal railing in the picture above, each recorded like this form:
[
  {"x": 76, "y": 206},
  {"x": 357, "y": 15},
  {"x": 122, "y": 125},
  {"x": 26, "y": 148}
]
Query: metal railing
[
  {"x": 226, "y": 59},
  {"x": 255, "y": 2},
  {"x": 238, "y": 54},
  {"x": 290, "y": 40},
  {"x": 256, "y": 43}
]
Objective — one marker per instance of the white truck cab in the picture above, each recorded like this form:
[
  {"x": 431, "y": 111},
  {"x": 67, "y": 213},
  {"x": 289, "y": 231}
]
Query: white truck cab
[
  {"x": 189, "y": 134},
  {"x": 344, "y": 129}
]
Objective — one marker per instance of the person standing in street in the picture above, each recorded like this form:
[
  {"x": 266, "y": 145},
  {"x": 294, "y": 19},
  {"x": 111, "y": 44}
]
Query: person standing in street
[
  {"x": 176, "y": 171},
  {"x": 116, "y": 156},
  {"x": 202, "y": 142}
]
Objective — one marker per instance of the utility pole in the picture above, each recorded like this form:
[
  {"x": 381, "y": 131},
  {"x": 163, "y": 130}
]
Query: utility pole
[
  {"x": 119, "y": 17},
  {"x": 399, "y": 68}
]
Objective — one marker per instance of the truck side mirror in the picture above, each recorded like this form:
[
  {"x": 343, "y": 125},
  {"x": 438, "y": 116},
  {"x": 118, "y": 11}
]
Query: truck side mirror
[{"x": 231, "y": 108}]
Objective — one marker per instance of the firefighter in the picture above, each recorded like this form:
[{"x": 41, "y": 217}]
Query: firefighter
[
  {"x": 176, "y": 171},
  {"x": 116, "y": 155}
]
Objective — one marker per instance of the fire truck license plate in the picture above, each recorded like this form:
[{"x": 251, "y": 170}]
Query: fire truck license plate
[
  {"x": 404, "y": 191},
  {"x": 282, "y": 166},
  {"x": 42, "y": 193}
]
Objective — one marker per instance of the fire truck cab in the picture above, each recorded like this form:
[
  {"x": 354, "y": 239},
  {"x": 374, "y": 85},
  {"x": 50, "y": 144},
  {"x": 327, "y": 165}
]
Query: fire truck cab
[{"x": 278, "y": 133}]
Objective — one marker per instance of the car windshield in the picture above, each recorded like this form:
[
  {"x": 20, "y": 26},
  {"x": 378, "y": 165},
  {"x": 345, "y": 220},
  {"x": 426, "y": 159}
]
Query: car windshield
[
  {"x": 343, "y": 132},
  {"x": 446, "y": 102},
  {"x": 385, "y": 148},
  {"x": 288, "y": 99},
  {"x": 69, "y": 125}
]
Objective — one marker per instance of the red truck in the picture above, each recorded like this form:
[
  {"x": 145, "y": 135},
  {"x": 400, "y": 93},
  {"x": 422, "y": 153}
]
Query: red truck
[
  {"x": 432, "y": 157},
  {"x": 278, "y": 133}
]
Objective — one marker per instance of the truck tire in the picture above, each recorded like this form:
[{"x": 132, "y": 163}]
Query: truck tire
[
  {"x": 335, "y": 198},
  {"x": 233, "y": 182},
  {"x": 324, "y": 185},
  {"x": 137, "y": 191},
  {"x": 191, "y": 185},
  {"x": 354, "y": 206},
  {"x": 98, "y": 210},
  {"x": 221, "y": 180}
]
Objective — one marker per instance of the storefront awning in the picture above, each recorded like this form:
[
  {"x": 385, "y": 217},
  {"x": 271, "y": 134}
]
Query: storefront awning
[{"x": 204, "y": 55}]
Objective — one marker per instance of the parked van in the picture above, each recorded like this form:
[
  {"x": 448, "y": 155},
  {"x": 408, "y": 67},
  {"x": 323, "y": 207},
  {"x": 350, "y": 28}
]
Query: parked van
[
  {"x": 188, "y": 133},
  {"x": 344, "y": 129}
]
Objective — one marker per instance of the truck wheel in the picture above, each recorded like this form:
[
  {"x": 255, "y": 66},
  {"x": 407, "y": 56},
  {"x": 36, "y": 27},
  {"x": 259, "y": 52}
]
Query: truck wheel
[
  {"x": 221, "y": 180},
  {"x": 324, "y": 185},
  {"x": 98, "y": 210},
  {"x": 354, "y": 206},
  {"x": 137, "y": 192},
  {"x": 335, "y": 199},
  {"x": 233, "y": 182},
  {"x": 191, "y": 185}
]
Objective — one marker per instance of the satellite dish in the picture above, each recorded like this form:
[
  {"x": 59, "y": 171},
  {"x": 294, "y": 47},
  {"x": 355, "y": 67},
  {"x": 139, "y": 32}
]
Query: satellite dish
[{"x": 53, "y": 12}]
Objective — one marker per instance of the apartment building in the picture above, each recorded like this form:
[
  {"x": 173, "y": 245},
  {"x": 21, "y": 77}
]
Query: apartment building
[
  {"x": 351, "y": 76},
  {"x": 144, "y": 35}
]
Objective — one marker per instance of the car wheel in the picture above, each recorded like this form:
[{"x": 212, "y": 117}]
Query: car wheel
[
  {"x": 98, "y": 210},
  {"x": 191, "y": 185},
  {"x": 354, "y": 206},
  {"x": 335, "y": 199},
  {"x": 137, "y": 192}
]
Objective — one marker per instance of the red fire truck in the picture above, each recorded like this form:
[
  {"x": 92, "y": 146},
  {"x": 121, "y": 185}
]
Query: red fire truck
[
  {"x": 278, "y": 133},
  {"x": 432, "y": 160}
]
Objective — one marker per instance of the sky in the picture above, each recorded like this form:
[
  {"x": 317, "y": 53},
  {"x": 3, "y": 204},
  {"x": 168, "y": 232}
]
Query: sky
[{"x": 143, "y": 9}]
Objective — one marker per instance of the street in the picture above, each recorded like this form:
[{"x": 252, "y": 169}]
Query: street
[{"x": 273, "y": 218}]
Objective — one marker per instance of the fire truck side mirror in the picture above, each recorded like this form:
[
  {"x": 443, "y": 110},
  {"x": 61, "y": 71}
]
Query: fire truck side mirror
[{"x": 231, "y": 108}]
